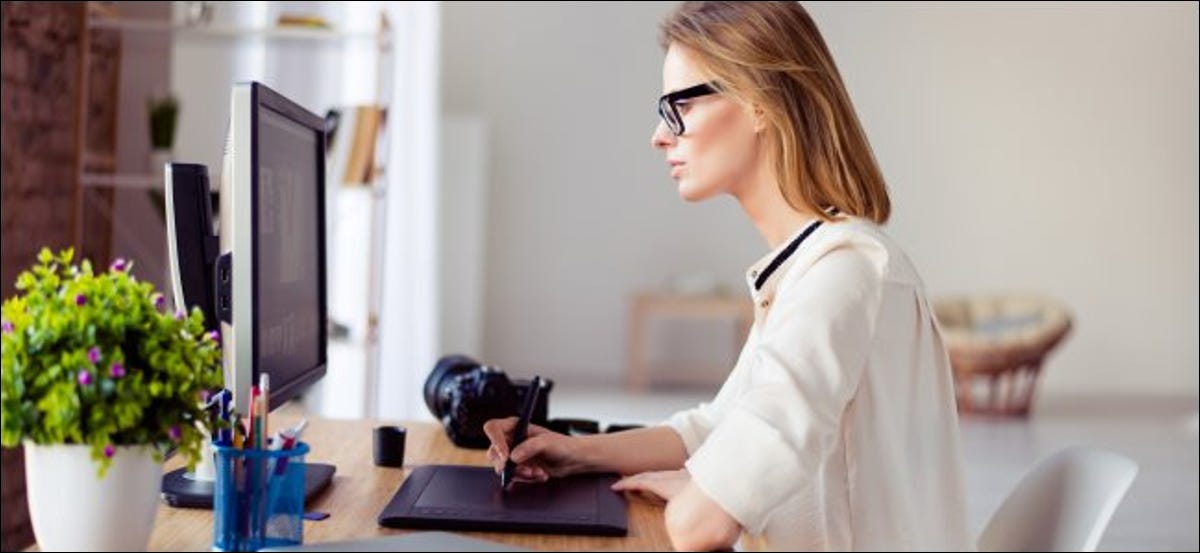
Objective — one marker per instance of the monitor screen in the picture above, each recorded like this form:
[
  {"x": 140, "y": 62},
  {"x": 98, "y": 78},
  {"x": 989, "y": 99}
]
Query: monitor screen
[
  {"x": 268, "y": 266},
  {"x": 288, "y": 287}
]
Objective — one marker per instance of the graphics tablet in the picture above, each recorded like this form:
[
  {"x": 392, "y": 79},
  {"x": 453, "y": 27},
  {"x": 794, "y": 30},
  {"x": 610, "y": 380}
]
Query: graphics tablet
[{"x": 451, "y": 497}]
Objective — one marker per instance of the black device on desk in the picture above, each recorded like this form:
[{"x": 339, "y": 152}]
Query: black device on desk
[
  {"x": 451, "y": 497},
  {"x": 261, "y": 280},
  {"x": 467, "y": 498}
]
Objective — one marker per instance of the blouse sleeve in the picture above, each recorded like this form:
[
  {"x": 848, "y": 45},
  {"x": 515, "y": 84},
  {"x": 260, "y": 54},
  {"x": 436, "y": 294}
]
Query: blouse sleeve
[{"x": 806, "y": 367}]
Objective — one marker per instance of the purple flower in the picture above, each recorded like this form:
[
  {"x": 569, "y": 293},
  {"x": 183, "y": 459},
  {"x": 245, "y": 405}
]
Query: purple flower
[
  {"x": 214, "y": 335},
  {"x": 159, "y": 300},
  {"x": 175, "y": 433},
  {"x": 80, "y": 300},
  {"x": 116, "y": 370},
  {"x": 94, "y": 355},
  {"x": 118, "y": 265},
  {"x": 85, "y": 378},
  {"x": 8, "y": 327},
  {"x": 180, "y": 314},
  {"x": 204, "y": 396},
  {"x": 109, "y": 451}
]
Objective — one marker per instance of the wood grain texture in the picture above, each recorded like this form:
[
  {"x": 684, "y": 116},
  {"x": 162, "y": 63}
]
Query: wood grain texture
[{"x": 360, "y": 490}]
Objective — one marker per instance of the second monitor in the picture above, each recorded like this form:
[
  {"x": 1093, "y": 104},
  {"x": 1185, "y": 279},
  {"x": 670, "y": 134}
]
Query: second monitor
[{"x": 266, "y": 286}]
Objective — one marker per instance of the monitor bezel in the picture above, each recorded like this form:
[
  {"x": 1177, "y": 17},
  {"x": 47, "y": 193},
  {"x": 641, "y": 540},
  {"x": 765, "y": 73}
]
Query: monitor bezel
[{"x": 257, "y": 97}]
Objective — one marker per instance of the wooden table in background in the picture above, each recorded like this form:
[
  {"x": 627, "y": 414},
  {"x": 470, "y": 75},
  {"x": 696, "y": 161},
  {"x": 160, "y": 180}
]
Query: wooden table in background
[
  {"x": 703, "y": 307},
  {"x": 360, "y": 490}
]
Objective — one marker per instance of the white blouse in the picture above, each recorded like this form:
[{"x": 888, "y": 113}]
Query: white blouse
[{"x": 837, "y": 428}]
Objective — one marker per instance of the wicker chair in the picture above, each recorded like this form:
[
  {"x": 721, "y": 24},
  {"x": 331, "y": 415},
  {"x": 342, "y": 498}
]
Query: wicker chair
[{"x": 997, "y": 345}]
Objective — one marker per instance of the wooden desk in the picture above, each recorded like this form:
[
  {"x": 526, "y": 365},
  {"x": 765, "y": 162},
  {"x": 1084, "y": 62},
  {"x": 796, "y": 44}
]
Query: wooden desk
[{"x": 360, "y": 490}]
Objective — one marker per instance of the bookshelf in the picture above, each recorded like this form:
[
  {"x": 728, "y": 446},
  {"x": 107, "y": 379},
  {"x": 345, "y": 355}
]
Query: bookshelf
[
  {"x": 102, "y": 17},
  {"x": 356, "y": 218}
]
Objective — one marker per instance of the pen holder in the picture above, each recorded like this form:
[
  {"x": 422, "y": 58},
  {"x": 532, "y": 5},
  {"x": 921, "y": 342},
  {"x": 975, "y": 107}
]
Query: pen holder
[{"x": 258, "y": 500}]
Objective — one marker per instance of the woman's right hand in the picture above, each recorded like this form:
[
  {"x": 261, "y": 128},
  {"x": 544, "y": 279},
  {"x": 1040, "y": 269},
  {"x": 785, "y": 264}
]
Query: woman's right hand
[{"x": 543, "y": 455}]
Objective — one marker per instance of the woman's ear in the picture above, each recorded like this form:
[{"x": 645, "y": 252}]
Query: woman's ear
[{"x": 759, "y": 117}]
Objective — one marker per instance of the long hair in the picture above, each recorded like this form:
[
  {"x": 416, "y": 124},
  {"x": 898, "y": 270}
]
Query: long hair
[{"x": 770, "y": 55}]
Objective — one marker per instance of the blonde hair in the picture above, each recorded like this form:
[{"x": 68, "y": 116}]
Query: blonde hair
[{"x": 770, "y": 55}]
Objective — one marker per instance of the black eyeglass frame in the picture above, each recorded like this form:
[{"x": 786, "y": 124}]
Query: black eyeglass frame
[{"x": 669, "y": 111}]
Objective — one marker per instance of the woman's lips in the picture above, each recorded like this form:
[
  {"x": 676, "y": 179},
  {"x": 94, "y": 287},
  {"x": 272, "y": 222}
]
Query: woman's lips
[{"x": 676, "y": 167}]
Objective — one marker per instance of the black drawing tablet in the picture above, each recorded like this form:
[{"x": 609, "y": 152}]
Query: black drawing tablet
[{"x": 452, "y": 497}]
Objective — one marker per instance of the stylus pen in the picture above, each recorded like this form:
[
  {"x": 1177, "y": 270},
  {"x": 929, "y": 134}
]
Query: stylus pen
[{"x": 521, "y": 431}]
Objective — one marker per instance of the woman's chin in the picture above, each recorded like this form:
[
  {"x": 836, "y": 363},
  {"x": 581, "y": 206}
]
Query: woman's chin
[{"x": 691, "y": 192}]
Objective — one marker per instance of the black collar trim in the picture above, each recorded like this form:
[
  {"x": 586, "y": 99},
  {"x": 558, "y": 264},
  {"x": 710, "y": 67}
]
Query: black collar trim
[{"x": 787, "y": 252}]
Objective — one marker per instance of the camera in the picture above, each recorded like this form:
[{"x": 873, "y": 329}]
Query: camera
[{"x": 463, "y": 394}]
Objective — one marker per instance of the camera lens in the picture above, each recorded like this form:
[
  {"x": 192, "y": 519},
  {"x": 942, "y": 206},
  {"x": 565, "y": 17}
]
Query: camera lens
[{"x": 439, "y": 385}]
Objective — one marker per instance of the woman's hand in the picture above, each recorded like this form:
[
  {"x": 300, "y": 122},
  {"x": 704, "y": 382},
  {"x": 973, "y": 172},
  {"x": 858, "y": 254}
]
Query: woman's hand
[
  {"x": 694, "y": 521},
  {"x": 661, "y": 485},
  {"x": 543, "y": 455}
]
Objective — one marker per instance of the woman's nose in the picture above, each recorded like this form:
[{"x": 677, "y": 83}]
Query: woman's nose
[{"x": 662, "y": 137}]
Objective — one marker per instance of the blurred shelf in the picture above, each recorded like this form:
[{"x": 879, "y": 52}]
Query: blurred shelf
[
  {"x": 218, "y": 30},
  {"x": 131, "y": 181},
  {"x": 147, "y": 181},
  {"x": 99, "y": 161}
]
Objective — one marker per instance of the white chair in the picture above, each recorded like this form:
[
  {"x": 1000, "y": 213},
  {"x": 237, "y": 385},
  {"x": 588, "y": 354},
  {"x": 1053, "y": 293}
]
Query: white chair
[{"x": 1063, "y": 504}]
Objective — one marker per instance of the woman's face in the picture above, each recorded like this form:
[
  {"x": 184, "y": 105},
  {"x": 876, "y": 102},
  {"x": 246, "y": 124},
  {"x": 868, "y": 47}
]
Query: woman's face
[{"x": 719, "y": 147}]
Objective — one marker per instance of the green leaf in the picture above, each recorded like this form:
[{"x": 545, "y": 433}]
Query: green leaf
[{"x": 166, "y": 361}]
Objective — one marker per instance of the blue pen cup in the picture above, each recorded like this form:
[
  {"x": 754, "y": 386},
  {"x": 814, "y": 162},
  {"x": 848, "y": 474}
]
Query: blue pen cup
[{"x": 258, "y": 500}]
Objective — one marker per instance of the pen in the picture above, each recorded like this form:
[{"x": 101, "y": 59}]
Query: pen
[
  {"x": 252, "y": 419},
  {"x": 521, "y": 431},
  {"x": 224, "y": 435},
  {"x": 264, "y": 395}
]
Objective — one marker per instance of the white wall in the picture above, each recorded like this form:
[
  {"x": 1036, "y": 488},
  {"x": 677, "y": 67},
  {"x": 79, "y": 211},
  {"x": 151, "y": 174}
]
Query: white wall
[
  {"x": 581, "y": 211},
  {"x": 463, "y": 234},
  {"x": 1048, "y": 148}
]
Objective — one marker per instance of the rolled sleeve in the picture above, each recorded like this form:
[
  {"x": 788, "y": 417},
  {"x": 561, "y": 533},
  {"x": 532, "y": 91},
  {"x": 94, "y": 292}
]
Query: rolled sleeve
[
  {"x": 766, "y": 448},
  {"x": 692, "y": 425},
  {"x": 747, "y": 486}
]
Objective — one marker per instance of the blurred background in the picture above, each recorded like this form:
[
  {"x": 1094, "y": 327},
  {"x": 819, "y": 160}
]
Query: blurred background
[{"x": 493, "y": 192}]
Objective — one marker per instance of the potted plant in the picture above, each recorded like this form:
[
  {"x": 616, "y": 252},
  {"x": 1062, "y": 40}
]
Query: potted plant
[
  {"x": 163, "y": 113},
  {"x": 97, "y": 383}
]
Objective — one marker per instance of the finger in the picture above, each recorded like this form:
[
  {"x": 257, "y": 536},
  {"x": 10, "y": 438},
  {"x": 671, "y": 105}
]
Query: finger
[
  {"x": 497, "y": 453},
  {"x": 496, "y": 459},
  {"x": 629, "y": 483},
  {"x": 505, "y": 424},
  {"x": 528, "y": 473},
  {"x": 530, "y": 448},
  {"x": 638, "y": 483},
  {"x": 499, "y": 432}
]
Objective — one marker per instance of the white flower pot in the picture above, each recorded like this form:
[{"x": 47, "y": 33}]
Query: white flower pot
[{"x": 72, "y": 509}]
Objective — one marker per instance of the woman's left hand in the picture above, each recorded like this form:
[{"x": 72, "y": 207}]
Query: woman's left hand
[{"x": 663, "y": 484}]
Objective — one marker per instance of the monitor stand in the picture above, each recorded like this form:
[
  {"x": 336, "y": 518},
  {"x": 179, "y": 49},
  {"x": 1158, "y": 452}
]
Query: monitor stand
[{"x": 183, "y": 489}]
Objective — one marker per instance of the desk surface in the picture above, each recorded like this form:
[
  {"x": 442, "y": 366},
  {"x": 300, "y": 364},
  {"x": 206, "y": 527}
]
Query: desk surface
[{"x": 360, "y": 490}]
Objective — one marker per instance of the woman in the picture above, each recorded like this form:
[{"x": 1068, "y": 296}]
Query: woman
[{"x": 837, "y": 427}]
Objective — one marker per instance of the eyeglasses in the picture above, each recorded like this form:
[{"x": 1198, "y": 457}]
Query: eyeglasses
[{"x": 668, "y": 107}]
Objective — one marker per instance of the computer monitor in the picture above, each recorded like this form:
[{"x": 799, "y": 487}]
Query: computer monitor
[
  {"x": 275, "y": 195},
  {"x": 265, "y": 285}
]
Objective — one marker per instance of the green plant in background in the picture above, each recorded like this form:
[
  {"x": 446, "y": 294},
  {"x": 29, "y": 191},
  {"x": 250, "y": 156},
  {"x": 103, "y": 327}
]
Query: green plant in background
[
  {"x": 93, "y": 359},
  {"x": 164, "y": 113}
]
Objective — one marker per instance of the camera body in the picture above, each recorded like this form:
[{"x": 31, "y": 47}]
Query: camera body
[{"x": 463, "y": 393}]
